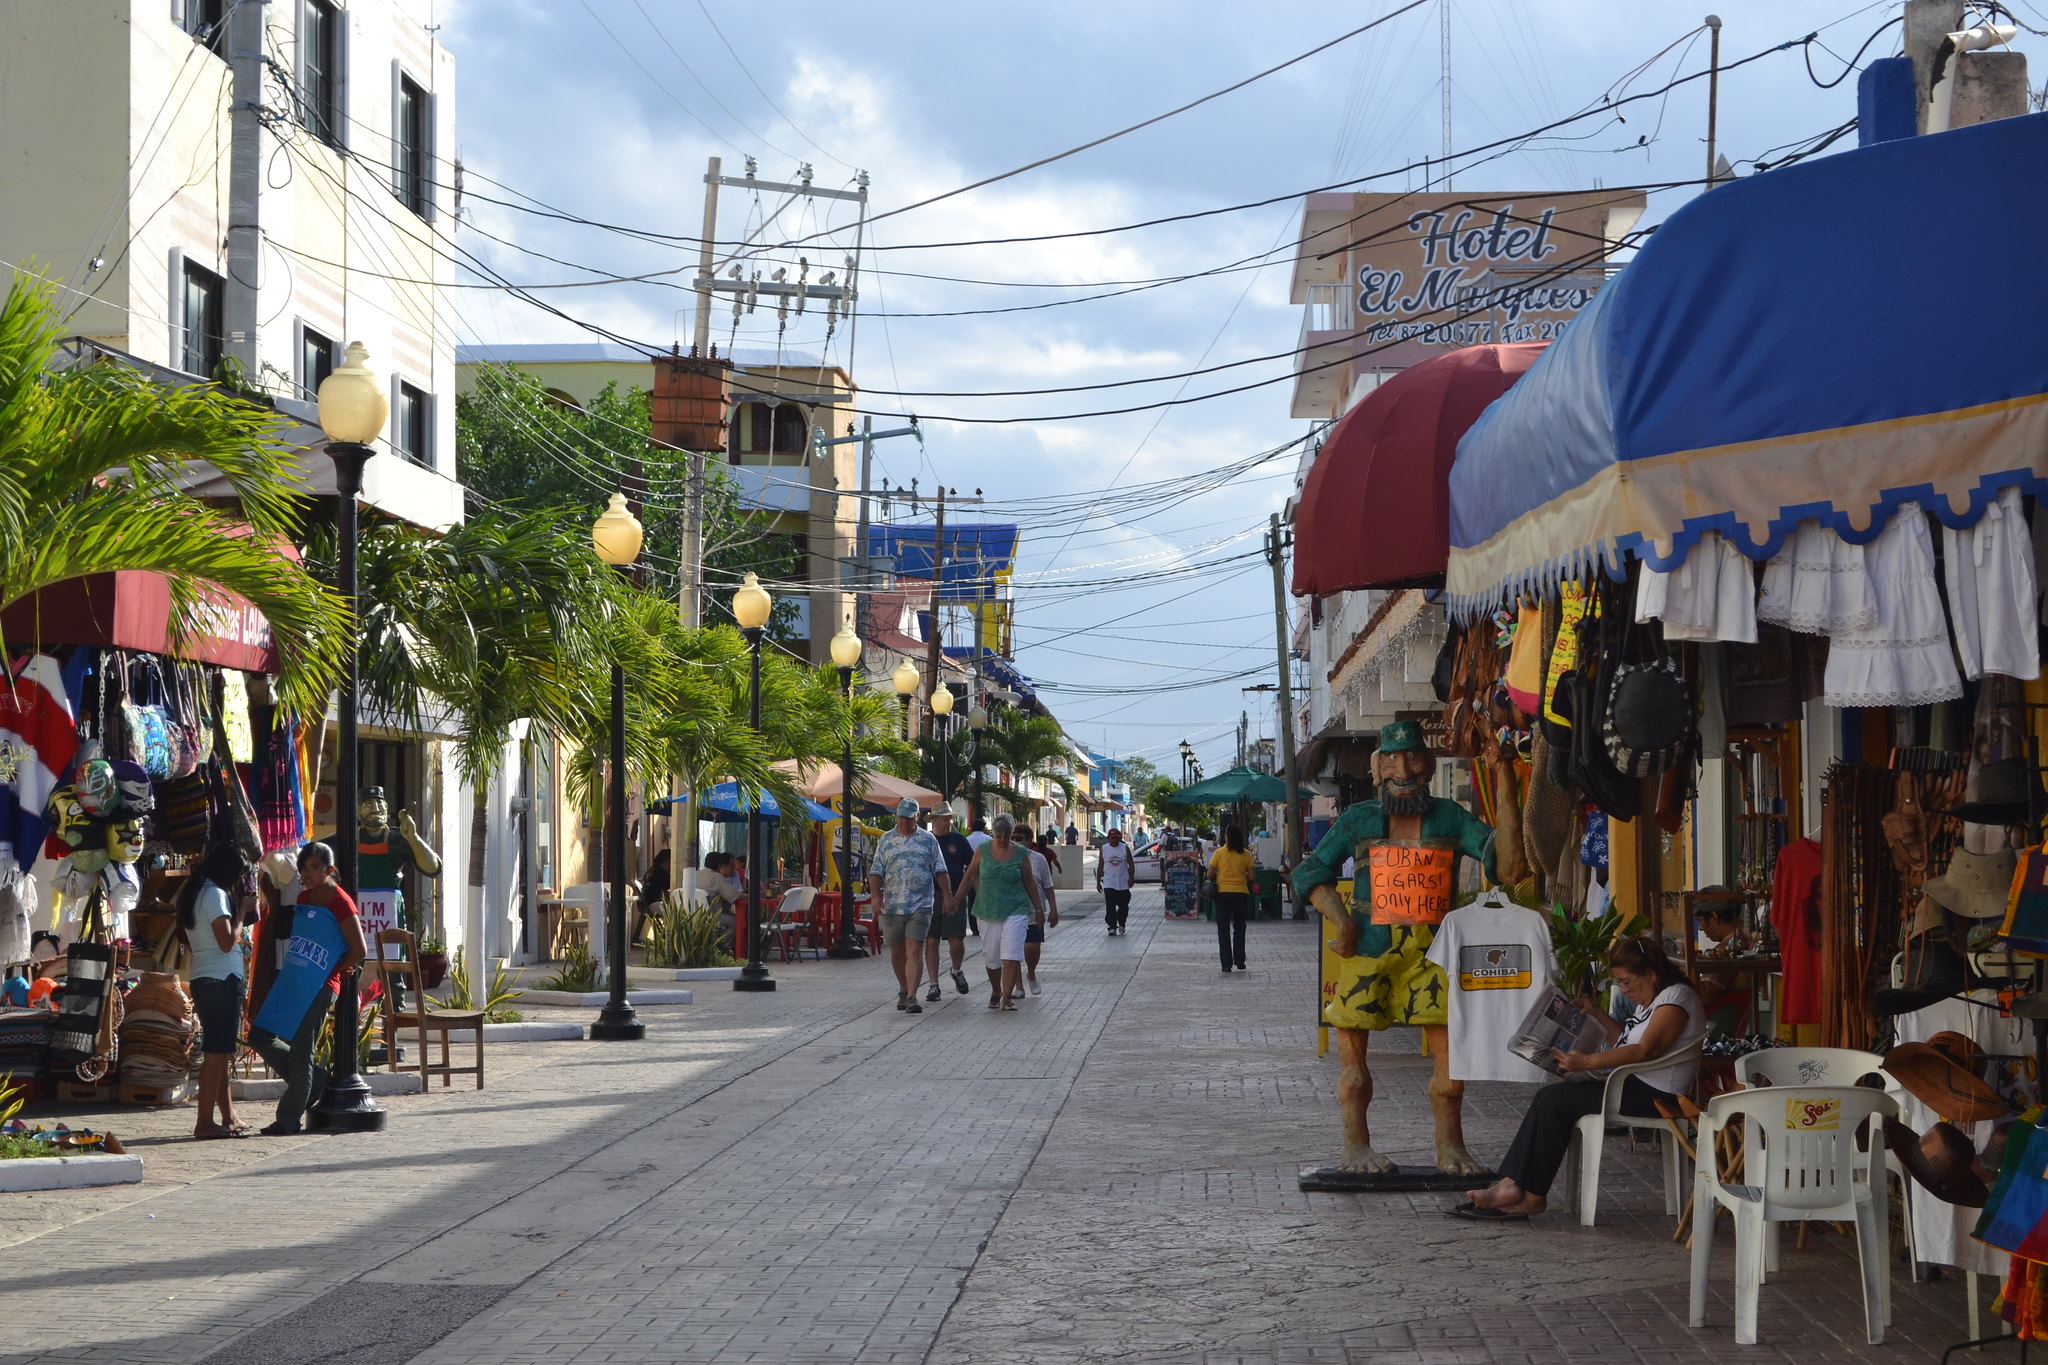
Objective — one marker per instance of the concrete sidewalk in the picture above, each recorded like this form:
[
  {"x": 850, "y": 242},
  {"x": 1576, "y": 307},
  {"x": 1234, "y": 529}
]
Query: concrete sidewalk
[{"x": 810, "y": 1175}]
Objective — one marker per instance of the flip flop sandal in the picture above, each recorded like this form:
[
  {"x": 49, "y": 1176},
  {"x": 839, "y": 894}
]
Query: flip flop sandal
[
  {"x": 1009, "y": 1009},
  {"x": 1478, "y": 1215},
  {"x": 217, "y": 1134}
]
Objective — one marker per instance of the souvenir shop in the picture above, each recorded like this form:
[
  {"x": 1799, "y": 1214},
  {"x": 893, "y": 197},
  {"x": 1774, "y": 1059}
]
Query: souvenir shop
[
  {"x": 1745, "y": 638},
  {"x": 119, "y": 767}
]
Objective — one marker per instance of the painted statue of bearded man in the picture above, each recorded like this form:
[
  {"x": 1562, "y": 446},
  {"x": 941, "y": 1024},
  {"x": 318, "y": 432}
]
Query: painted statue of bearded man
[{"x": 1406, "y": 848}]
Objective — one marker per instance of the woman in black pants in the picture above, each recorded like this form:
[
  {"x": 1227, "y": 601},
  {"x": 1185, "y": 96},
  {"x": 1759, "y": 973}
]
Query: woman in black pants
[
  {"x": 1230, "y": 871},
  {"x": 1668, "y": 1016}
]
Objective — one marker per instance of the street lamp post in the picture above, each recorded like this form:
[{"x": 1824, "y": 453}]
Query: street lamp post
[
  {"x": 905, "y": 680},
  {"x": 942, "y": 725},
  {"x": 353, "y": 407},
  {"x": 977, "y": 721},
  {"x": 846, "y": 651},
  {"x": 617, "y": 535},
  {"x": 751, "y": 606}
]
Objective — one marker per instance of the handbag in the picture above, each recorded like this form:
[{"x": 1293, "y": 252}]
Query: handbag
[
  {"x": 2019, "y": 1201},
  {"x": 186, "y": 819},
  {"x": 183, "y": 720}
]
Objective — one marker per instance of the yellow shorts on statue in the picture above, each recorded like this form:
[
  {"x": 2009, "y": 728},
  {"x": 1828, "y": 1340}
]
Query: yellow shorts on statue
[{"x": 1400, "y": 986}]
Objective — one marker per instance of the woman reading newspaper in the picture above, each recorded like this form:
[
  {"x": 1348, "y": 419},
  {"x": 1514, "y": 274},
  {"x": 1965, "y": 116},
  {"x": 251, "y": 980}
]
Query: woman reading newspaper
[{"x": 1668, "y": 1015}]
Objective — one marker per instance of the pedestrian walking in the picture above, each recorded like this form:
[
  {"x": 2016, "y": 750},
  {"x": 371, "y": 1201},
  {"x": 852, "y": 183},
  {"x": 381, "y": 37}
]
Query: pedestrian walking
[
  {"x": 950, "y": 925},
  {"x": 1230, "y": 870},
  {"x": 1005, "y": 901},
  {"x": 908, "y": 883},
  {"x": 1034, "y": 935},
  {"x": 1073, "y": 834},
  {"x": 978, "y": 835},
  {"x": 206, "y": 912},
  {"x": 1114, "y": 867}
]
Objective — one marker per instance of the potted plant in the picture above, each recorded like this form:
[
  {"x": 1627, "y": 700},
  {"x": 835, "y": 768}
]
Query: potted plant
[{"x": 433, "y": 963}]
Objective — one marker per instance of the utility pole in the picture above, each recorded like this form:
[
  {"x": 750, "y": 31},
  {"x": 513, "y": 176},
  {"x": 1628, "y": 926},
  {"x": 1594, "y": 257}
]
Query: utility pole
[
  {"x": 1291, "y": 821},
  {"x": 1713, "y": 92},
  {"x": 241, "y": 308},
  {"x": 934, "y": 648},
  {"x": 690, "y": 573}
]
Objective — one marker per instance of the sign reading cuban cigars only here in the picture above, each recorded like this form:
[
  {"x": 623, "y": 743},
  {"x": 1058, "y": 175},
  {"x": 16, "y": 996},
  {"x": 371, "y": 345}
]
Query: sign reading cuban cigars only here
[{"x": 1446, "y": 270}]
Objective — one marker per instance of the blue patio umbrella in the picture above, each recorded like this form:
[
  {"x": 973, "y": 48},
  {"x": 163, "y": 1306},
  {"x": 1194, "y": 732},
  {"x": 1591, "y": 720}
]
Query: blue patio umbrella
[{"x": 727, "y": 801}]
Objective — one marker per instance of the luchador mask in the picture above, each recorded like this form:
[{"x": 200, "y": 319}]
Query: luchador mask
[
  {"x": 68, "y": 817},
  {"x": 125, "y": 840},
  {"x": 97, "y": 790}
]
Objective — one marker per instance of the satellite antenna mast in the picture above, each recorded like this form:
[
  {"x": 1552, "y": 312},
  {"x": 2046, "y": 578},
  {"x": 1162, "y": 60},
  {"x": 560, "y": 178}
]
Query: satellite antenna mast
[{"x": 1444, "y": 17}]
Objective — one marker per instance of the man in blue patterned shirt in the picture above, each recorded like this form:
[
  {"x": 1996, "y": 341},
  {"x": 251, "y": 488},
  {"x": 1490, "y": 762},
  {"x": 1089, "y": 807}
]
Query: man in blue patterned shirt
[{"x": 908, "y": 881}]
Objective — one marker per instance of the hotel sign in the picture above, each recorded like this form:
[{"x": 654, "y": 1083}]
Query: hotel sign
[{"x": 1450, "y": 270}]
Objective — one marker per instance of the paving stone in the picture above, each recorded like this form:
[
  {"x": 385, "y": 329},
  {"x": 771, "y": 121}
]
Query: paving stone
[{"x": 1108, "y": 1173}]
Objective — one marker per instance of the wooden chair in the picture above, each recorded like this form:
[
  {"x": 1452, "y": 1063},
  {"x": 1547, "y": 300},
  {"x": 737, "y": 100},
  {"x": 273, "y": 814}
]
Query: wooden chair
[{"x": 395, "y": 964}]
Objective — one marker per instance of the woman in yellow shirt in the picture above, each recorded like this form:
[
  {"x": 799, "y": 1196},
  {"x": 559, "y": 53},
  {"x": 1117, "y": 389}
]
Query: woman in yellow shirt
[{"x": 1230, "y": 869}]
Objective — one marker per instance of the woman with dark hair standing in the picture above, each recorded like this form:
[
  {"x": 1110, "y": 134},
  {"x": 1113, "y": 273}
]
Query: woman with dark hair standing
[
  {"x": 1230, "y": 870},
  {"x": 1668, "y": 1015},
  {"x": 206, "y": 909}
]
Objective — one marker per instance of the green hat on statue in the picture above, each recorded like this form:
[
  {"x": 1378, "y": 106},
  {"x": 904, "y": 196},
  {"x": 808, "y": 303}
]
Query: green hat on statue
[{"x": 1401, "y": 736}]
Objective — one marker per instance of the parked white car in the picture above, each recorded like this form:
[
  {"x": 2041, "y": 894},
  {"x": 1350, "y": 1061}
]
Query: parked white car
[{"x": 1145, "y": 862}]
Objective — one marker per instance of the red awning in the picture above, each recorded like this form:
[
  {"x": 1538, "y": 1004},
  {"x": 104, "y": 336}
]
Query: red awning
[
  {"x": 131, "y": 609},
  {"x": 1375, "y": 510}
]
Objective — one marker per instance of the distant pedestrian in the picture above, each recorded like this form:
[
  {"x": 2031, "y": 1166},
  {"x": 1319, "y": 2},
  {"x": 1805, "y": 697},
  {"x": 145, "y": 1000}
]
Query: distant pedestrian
[
  {"x": 1005, "y": 900},
  {"x": 1113, "y": 872},
  {"x": 1073, "y": 834},
  {"x": 1034, "y": 935},
  {"x": 950, "y": 924},
  {"x": 908, "y": 883},
  {"x": 1230, "y": 868},
  {"x": 978, "y": 835}
]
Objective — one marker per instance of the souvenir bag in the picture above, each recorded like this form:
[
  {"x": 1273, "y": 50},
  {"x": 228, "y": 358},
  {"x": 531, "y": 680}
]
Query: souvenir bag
[
  {"x": 186, "y": 808},
  {"x": 1582, "y": 699},
  {"x": 187, "y": 737},
  {"x": 1649, "y": 720},
  {"x": 235, "y": 816},
  {"x": 2019, "y": 1200},
  {"x": 2025, "y": 926},
  {"x": 85, "y": 1017},
  {"x": 148, "y": 725}
]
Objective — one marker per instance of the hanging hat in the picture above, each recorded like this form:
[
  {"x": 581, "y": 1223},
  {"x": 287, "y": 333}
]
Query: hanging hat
[
  {"x": 1401, "y": 736},
  {"x": 1941, "y": 1074},
  {"x": 2002, "y": 795},
  {"x": 1975, "y": 884},
  {"x": 1942, "y": 1161}
]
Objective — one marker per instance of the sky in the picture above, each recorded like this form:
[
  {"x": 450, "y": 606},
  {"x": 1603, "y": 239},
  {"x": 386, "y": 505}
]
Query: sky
[{"x": 1143, "y": 604}]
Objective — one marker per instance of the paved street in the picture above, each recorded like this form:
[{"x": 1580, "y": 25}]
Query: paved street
[{"x": 1108, "y": 1174}]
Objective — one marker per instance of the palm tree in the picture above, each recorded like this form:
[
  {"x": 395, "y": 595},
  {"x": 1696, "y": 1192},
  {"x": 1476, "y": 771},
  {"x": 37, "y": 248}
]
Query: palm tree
[
  {"x": 93, "y": 462},
  {"x": 1024, "y": 746}
]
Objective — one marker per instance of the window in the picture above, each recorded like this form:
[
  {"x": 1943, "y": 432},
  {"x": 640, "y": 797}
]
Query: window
[
  {"x": 204, "y": 337},
  {"x": 317, "y": 358},
  {"x": 205, "y": 20},
  {"x": 320, "y": 70},
  {"x": 763, "y": 429},
  {"x": 412, "y": 136},
  {"x": 412, "y": 425}
]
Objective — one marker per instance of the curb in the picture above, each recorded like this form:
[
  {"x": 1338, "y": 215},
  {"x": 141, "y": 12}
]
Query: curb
[
  {"x": 593, "y": 999},
  {"x": 68, "y": 1172}
]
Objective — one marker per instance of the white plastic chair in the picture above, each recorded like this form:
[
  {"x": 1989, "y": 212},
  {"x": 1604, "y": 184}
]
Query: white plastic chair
[
  {"x": 792, "y": 923},
  {"x": 1592, "y": 1132},
  {"x": 1807, "y": 1066},
  {"x": 1805, "y": 1168}
]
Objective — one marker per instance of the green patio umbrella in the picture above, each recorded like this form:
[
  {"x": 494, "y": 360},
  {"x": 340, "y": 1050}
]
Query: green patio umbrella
[{"x": 1239, "y": 784}]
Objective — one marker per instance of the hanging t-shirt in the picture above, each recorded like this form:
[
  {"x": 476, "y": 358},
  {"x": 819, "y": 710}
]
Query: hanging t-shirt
[
  {"x": 1795, "y": 914},
  {"x": 1497, "y": 960}
]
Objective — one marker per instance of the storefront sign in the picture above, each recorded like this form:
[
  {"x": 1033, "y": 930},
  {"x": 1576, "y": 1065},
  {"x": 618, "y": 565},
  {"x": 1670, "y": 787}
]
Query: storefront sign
[
  {"x": 1451, "y": 270},
  {"x": 1435, "y": 732}
]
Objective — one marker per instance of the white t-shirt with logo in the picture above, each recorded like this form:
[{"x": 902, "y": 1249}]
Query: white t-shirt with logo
[
  {"x": 1497, "y": 961},
  {"x": 1116, "y": 866}
]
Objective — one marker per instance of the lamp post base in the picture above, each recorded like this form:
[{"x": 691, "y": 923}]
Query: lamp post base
[
  {"x": 846, "y": 950},
  {"x": 753, "y": 977},
  {"x": 346, "y": 1108},
  {"x": 617, "y": 1024}
]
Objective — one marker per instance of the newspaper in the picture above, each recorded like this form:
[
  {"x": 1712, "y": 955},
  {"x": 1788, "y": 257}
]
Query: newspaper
[{"x": 1556, "y": 1025}]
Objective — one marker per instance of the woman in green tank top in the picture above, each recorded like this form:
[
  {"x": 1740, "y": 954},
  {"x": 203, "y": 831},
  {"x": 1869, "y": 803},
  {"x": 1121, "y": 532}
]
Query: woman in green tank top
[{"x": 1006, "y": 901}]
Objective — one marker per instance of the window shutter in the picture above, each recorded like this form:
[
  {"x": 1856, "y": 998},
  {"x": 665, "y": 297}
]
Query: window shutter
[
  {"x": 342, "y": 27},
  {"x": 177, "y": 309},
  {"x": 428, "y": 149},
  {"x": 398, "y": 130}
]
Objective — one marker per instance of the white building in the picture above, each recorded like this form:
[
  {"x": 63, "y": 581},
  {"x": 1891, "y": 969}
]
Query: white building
[{"x": 234, "y": 190}]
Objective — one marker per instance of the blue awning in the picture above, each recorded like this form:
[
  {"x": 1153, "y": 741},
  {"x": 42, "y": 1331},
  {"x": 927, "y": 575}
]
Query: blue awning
[
  {"x": 726, "y": 799},
  {"x": 976, "y": 552},
  {"x": 997, "y": 669},
  {"x": 1827, "y": 341}
]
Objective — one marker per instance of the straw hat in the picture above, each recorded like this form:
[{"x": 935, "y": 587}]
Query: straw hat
[
  {"x": 1942, "y": 1074},
  {"x": 1975, "y": 884},
  {"x": 1942, "y": 1160}
]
